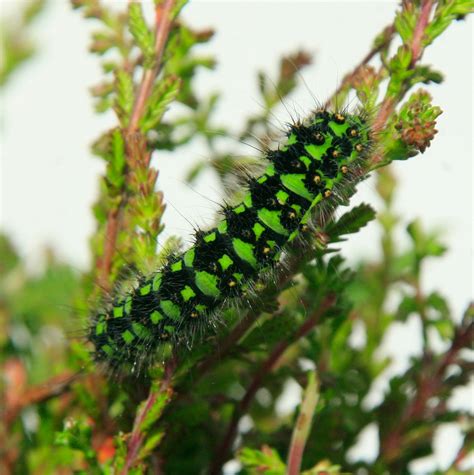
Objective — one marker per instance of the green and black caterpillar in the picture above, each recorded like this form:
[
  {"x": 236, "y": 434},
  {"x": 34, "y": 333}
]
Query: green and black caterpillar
[{"x": 321, "y": 157}]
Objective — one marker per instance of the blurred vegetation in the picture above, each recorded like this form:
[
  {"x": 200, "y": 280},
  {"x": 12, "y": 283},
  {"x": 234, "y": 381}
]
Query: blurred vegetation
[
  {"x": 220, "y": 400},
  {"x": 16, "y": 46}
]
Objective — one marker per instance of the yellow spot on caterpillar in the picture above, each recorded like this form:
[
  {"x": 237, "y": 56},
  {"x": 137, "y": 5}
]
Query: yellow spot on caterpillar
[
  {"x": 266, "y": 250},
  {"x": 232, "y": 283},
  {"x": 327, "y": 193},
  {"x": 335, "y": 153},
  {"x": 339, "y": 118},
  {"x": 344, "y": 169},
  {"x": 292, "y": 215},
  {"x": 317, "y": 179},
  {"x": 319, "y": 138},
  {"x": 194, "y": 314},
  {"x": 359, "y": 147},
  {"x": 354, "y": 133}
]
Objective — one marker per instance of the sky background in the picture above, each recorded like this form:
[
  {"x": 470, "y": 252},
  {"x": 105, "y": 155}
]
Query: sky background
[{"x": 49, "y": 180}]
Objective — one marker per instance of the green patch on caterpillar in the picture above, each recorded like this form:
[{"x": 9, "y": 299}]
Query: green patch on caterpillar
[{"x": 307, "y": 175}]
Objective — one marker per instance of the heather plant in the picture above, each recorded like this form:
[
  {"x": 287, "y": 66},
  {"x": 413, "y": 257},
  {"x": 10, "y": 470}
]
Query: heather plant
[{"x": 214, "y": 398}]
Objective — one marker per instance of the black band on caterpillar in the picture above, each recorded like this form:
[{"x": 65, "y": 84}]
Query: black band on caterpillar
[{"x": 224, "y": 261}]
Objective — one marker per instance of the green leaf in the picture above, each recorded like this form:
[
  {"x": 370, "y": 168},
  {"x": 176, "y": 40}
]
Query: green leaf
[
  {"x": 9, "y": 258},
  {"x": 125, "y": 96},
  {"x": 351, "y": 222},
  {"x": 405, "y": 22},
  {"x": 444, "y": 327},
  {"x": 163, "y": 94},
  {"x": 426, "y": 244},
  {"x": 265, "y": 461},
  {"x": 446, "y": 12},
  {"x": 154, "y": 411},
  {"x": 271, "y": 331},
  {"x": 407, "y": 306},
  {"x": 142, "y": 35},
  {"x": 426, "y": 75},
  {"x": 116, "y": 170},
  {"x": 438, "y": 303},
  {"x": 399, "y": 68},
  {"x": 151, "y": 443}
]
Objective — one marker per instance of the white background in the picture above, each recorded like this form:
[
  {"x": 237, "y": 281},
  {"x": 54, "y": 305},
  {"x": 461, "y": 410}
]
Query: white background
[{"x": 49, "y": 180}]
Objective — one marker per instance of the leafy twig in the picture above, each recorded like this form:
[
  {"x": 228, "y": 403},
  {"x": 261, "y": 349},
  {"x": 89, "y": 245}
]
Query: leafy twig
[
  {"x": 163, "y": 17},
  {"x": 429, "y": 383},
  {"x": 416, "y": 50},
  {"x": 268, "y": 365},
  {"x": 147, "y": 415}
]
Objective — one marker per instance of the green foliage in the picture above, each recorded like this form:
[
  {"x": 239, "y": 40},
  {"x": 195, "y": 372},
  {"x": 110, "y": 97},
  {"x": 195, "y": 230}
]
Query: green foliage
[
  {"x": 188, "y": 414},
  {"x": 142, "y": 35},
  {"x": 15, "y": 45},
  {"x": 266, "y": 460},
  {"x": 352, "y": 221}
]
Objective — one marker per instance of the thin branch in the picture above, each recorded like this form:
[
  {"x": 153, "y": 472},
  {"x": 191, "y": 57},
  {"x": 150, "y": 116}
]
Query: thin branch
[
  {"x": 303, "y": 425},
  {"x": 348, "y": 78},
  {"x": 137, "y": 437},
  {"x": 428, "y": 386},
  {"x": 39, "y": 393},
  {"x": 268, "y": 365},
  {"x": 389, "y": 103},
  {"x": 164, "y": 20},
  {"x": 423, "y": 20}
]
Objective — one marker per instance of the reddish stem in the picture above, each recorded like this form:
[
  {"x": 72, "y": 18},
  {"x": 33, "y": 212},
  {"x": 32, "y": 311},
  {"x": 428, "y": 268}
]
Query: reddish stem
[
  {"x": 423, "y": 20},
  {"x": 303, "y": 425},
  {"x": 137, "y": 437},
  {"x": 390, "y": 102},
  {"x": 164, "y": 20}
]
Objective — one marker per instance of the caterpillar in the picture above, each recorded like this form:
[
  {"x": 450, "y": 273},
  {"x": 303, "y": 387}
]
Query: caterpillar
[{"x": 320, "y": 157}]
